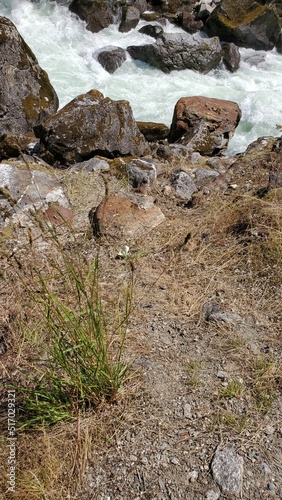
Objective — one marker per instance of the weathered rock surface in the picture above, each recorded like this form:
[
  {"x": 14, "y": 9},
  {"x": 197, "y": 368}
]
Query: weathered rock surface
[
  {"x": 153, "y": 131},
  {"x": 188, "y": 22},
  {"x": 231, "y": 56},
  {"x": 12, "y": 145},
  {"x": 247, "y": 24},
  {"x": 98, "y": 14},
  {"x": 24, "y": 188},
  {"x": 177, "y": 51},
  {"x": 122, "y": 218},
  {"x": 91, "y": 125},
  {"x": 227, "y": 470},
  {"x": 183, "y": 185},
  {"x": 27, "y": 96},
  {"x": 129, "y": 19},
  {"x": 142, "y": 175},
  {"x": 205, "y": 124},
  {"x": 153, "y": 30},
  {"x": 111, "y": 58}
]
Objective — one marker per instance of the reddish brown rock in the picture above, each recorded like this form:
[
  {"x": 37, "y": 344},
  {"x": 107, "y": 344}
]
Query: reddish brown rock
[
  {"x": 204, "y": 124},
  {"x": 123, "y": 218},
  {"x": 58, "y": 215}
]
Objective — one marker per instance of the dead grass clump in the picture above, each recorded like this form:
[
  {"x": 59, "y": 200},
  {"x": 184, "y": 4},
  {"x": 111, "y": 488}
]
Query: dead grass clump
[{"x": 265, "y": 380}]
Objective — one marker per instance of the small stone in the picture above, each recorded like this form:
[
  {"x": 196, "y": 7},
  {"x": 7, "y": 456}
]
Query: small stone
[
  {"x": 227, "y": 470},
  {"x": 212, "y": 495},
  {"x": 175, "y": 461},
  {"x": 193, "y": 476},
  {"x": 265, "y": 468},
  {"x": 269, "y": 430},
  {"x": 187, "y": 411},
  {"x": 183, "y": 185},
  {"x": 144, "y": 460},
  {"x": 271, "y": 486},
  {"x": 222, "y": 375}
]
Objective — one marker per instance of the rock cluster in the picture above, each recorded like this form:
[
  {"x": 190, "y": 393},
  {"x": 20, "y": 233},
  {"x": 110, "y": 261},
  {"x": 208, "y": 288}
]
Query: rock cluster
[{"x": 96, "y": 133}]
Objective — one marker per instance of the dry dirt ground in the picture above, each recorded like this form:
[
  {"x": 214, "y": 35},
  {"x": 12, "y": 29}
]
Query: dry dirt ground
[{"x": 204, "y": 339}]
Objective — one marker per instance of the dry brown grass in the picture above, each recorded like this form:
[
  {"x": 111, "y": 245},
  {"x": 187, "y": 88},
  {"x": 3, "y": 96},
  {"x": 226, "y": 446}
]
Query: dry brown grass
[{"x": 227, "y": 250}]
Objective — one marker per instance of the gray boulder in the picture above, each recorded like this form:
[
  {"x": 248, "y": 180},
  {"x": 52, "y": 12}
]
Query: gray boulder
[
  {"x": 92, "y": 125},
  {"x": 231, "y": 56},
  {"x": 27, "y": 96},
  {"x": 111, "y": 58},
  {"x": 142, "y": 175},
  {"x": 183, "y": 185},
  {"x": 153, "y": 30},
  {"x": 129, "y": 19},
  {"x": 177, "y": 51}
]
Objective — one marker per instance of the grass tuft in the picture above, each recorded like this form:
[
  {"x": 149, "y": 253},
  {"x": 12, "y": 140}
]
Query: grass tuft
[{"x": 82, "y": 365}]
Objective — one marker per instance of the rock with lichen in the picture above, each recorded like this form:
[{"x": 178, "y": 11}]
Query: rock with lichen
[{"x": 27, "y": 96}]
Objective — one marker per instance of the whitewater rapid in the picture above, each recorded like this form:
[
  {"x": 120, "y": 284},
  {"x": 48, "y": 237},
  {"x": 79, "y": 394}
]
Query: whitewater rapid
[{"x": 68, "y": 52}]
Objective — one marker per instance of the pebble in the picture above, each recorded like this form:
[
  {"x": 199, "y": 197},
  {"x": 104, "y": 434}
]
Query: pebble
[
  {"x": 187, "y": 411},
  {"x": 222, "y": 375},
  {"x": 175, "y": 461},
  {"x": 193, "y": 476},
  {"x": 265, "y": 468},
  {"x": 269, "y": 430},
  {"x": 271, "y": 486},
  {"x": 212, "y": 495}
]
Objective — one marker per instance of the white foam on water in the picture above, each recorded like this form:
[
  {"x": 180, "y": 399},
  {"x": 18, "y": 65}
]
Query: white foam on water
[{"x": 68, "y": 52}]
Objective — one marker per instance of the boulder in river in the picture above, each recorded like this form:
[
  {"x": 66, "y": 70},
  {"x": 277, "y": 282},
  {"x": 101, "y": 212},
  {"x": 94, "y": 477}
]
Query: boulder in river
[
  {"x": 27, "y": 96},
  {"x": 204, "y": 124},
  {"x": 98, "y": 14},
  {"x": 91, "y": 125},
  {"x": 111, "y": 58},
  {"x": 177, "y": 51},
  {"x": 247, "y": 24}
]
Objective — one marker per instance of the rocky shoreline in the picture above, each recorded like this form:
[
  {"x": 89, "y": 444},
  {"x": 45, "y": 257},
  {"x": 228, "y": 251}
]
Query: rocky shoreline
[{"x": 94, "y": 126}]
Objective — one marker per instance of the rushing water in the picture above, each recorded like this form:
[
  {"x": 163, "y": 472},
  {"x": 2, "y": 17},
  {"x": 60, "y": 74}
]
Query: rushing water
[{"x": 66, "y": 50}]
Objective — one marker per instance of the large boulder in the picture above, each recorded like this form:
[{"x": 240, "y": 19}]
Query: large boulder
[
  {"x": 153, "y": 30},
  {"x": 247, "y": 24},
  {"x": 111, "y": 58},
  {"x": 91, "y": 125},
  {"x": 204, "y": 124},
  {"x": 230, "y": 56},
  {"x": 27, "y": 96},
  {"x": 129, "y": 19},
  {"x": 177, "y": 51},
  {"x": 98, "y": 14}
]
